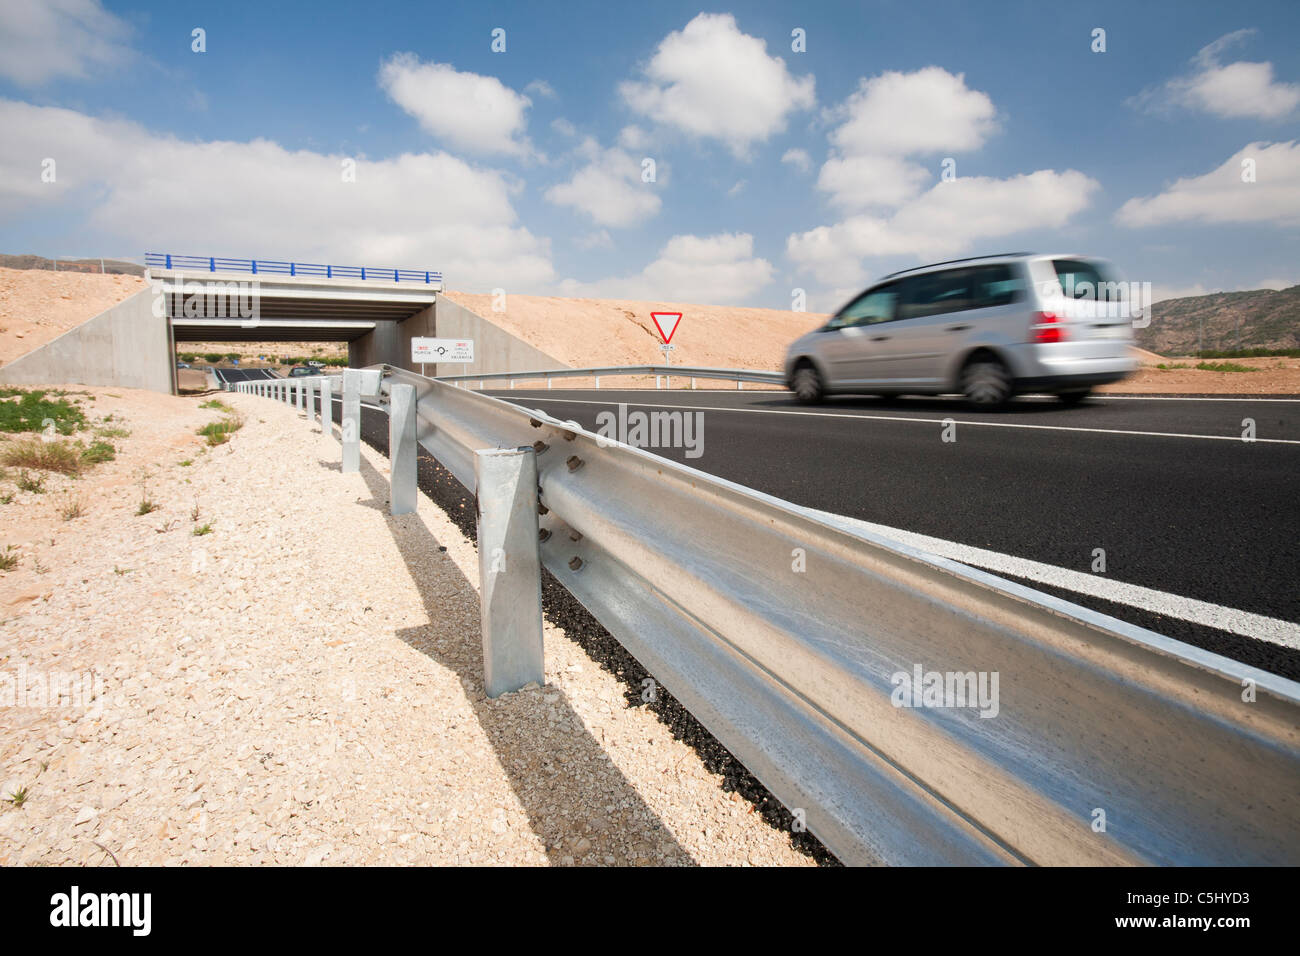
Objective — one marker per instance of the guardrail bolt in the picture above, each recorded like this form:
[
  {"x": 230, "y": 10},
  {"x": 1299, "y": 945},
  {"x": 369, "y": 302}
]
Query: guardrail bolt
[
  {"x": 575, "y": 563},
  {"x": 575, "y": 535},
  {"x": 540, "y": 446},
  {"x": 542, "y": 509},
  {"x": 570, "y": 436},
  {"x": 574, "y": 463},
  {"x": 543, "y": 534},
  {"x": 535, "y": 423}
]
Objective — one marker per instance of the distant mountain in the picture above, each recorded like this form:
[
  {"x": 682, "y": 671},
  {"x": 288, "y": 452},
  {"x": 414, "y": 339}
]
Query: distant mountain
[
  {"x": 1260, "y": 318},
  {"x": 110, "y": 266}
]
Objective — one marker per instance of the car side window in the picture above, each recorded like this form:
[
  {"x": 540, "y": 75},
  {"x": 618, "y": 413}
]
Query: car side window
[
  {"x": 872, "y": 307},
  {"x": 996, "y": 285},
  {"x": 935, "y": 293}
]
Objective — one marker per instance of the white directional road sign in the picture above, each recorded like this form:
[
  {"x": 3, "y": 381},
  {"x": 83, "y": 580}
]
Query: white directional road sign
[{"x": 442, "y": 350}]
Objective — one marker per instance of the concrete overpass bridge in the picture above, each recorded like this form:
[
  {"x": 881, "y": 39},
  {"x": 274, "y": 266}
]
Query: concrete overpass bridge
[{"x": 377, "y": 311}]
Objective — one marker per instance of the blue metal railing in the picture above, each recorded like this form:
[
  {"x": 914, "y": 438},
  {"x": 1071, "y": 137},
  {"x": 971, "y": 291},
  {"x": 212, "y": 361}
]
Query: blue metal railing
[{"x": 167, "y": 260}]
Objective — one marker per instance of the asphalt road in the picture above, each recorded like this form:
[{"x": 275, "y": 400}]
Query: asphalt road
[
  {"x": 244, "y": 374},
  {"x": 1200, "y": 529}
]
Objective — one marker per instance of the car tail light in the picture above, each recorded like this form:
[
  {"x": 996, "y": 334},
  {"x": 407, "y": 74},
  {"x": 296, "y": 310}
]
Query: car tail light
[{"x": 1048, "y": 328}]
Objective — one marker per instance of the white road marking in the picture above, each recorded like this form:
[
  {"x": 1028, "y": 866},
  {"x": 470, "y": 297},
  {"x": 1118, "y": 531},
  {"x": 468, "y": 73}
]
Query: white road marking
[
  {"x": 1188, "y": 398},
  {"x": 927, "y": 421},
  {"x": 1245, "y": 623}
]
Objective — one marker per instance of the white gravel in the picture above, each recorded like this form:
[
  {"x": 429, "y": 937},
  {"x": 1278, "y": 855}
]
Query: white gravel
[{"x": 303, "y": 686}]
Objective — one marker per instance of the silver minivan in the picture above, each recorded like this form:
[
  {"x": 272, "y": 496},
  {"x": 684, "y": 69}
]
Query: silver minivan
[{"x": 987, "y": 327}]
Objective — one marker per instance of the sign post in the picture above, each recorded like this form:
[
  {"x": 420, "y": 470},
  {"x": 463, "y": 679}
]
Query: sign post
[{"x": 671, "y": 320}]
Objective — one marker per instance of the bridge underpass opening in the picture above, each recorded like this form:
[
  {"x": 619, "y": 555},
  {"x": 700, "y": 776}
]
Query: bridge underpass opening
[{"x": 377, "y": 320}]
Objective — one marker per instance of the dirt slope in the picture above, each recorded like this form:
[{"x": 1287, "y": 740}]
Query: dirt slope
[
  {"x": 37, "y": 306},
  {"x": 620, "y": 332}
]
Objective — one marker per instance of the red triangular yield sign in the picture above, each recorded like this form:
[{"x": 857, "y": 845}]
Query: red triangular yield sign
[{"x": 675, "y": 318}]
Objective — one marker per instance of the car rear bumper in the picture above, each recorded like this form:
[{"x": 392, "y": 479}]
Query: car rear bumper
[{"x": 1050, "y": 368}]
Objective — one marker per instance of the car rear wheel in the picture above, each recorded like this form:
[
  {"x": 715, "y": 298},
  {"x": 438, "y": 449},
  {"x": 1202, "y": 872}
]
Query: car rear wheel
[
  {"x": 985, "y": 382},
  {"x": 1074, "y": 396},
  {"x": 807, "y": 385}
]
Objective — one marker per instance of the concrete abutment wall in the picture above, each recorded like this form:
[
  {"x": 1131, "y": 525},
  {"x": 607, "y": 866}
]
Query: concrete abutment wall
[
  {"x": 495, "y": 349},
  {"x": 127, "y": 346}
]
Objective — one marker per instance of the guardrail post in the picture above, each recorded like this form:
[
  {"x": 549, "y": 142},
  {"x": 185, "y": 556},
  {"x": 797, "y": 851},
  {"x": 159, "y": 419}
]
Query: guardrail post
[
  {"x": 598, "y": 381},
  {"x": 402, "y": 498},
  {"x": 740, "y": 386},
  {"x": 692, "y": 385},
  {"x": 510, "y": 594},
  {"x": 302, "y": 395},
  {"x": 659, "y": 381},
  {"x": 326, "y": 406},
  {"x": 350, "y": 423}
]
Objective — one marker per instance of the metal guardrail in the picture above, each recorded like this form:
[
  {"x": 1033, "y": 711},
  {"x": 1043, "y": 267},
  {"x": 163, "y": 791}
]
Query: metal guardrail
[
  {"x": 167, "y": 260},
  {"x": 737, "y": 375},
  {"x": 790, "y": 639}
]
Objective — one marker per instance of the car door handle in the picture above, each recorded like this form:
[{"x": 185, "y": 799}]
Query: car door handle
[
  {"x": 958, "y": 328},
  {"x": 880, "y": 338}
]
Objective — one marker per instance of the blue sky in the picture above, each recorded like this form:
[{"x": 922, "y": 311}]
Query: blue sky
[{"x": 775, "y": 170}]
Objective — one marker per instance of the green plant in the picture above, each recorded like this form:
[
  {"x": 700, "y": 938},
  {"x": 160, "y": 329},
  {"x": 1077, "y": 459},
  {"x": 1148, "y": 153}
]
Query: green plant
[
  {"x": 29, "y": 482},
  {"x": 6, "y": 498},
  {"x": 218, "y": 433},
  {"x": 121, "y": 571},
  {"x": 73, "y": 508},
  {"x": 113, "y": 432},
  {"x": 31, "y": 410},
  {"x": 60, "y": 456},
  {"x": 1167, "y": 367},
  {"x": 98, "y": 453},
  {"x": 18, "y": 797},
  {"x": 194, "y": 513},
  {"x": 8, "y": 560},
  {"x": 1247, "y": 353},
  {"x": 186, "y": 463},
  {"x": 1225, "y": 367},
  {"x": 147, "y": 504},
  {"x": 201, "y": 530},
  {"x": 212, "y": 357},
  {"x": 217, "y": 404}
]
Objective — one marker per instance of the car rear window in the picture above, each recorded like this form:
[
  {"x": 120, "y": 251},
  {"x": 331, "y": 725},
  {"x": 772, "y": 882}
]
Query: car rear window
[{"x": 1086, "y": 279}]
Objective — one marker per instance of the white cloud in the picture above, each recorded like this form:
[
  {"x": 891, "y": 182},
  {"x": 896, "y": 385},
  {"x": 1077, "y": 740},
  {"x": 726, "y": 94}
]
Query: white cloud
[
  {"x": 718, "y": 270},
  {"x": 608, "y": 188},
  {"x": 466, "y": 110},
  {"x": 873, "y": 176},
  {"x": 1236, "y": 90},
  {"x": 563, "y": 127},
  {"x": 1222, "y": 196},
  {"x": 902, "y": 114},
  {"x": 798, "y": 158},
  {"x": 137, "y": 189},
  {"x": 860, "y": 181},
  {"x": 595, "y": 240},
  {"x": 947, "y": 219},
  {"x": 43, "y": 40},
  {"x": 633, "y": 137},
  {"x": 711, "y": 81},
  {"x": 541, "y": 88},
  {"x": 1277, "y": 285},
  {"x": 737, "y": 189},
  {"x": 894, "y": 116}
]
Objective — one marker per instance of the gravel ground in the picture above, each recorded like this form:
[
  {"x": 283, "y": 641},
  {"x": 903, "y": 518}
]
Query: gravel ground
[{"x": 302, "y": 686}]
